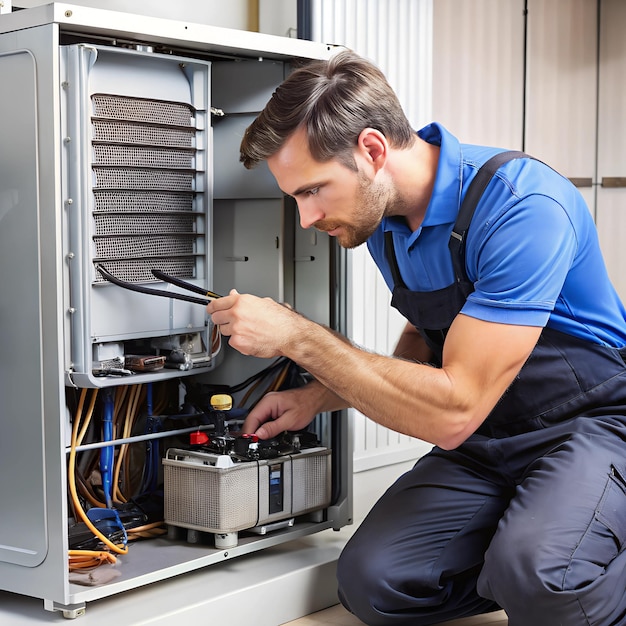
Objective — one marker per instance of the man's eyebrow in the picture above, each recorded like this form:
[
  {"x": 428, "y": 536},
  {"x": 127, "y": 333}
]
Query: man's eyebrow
[{"x": 304, "y": 188}]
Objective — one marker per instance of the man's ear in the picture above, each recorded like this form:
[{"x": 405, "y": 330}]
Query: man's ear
[{"x": 372, "y": 144}]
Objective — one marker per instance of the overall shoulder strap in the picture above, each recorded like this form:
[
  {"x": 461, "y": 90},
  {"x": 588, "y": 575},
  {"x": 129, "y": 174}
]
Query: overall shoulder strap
[
  {"x": 390, "y": 253},
  {"x": 468, "y": 206}
]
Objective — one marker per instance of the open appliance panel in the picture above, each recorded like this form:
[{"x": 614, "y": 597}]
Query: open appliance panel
[
  {"x": 136, "y": 134},
  {"x": 77, "y": 74}
]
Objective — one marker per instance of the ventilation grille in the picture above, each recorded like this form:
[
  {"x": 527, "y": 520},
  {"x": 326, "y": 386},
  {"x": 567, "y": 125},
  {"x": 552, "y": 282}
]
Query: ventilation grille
[
  {"x": 133, "y": 156},
  {"x": 210, "y": 499},
  {"x": 160, "y": 224},
  {"x": 136, "y": 133},
  {"x": 130, "y": 178},
  {"x": 311, "y": 487},
  {"x": 113, "y": 107},
  {"x": 136, "y": 271},
  {"x": 204, "y": 497},
  {"x": 141, "y": 201},
  {"x": 139, "y": 246},
  {"x": 144, "y": 188}
]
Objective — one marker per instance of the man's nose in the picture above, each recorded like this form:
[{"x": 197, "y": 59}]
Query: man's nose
[{"x": 310, "y": 213}]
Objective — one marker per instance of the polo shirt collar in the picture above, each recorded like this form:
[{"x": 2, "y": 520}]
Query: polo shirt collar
[{"x": 445, "y": 200}]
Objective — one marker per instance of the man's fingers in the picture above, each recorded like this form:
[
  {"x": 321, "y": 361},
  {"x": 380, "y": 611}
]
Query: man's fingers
[{"x": 268, "y": 431}]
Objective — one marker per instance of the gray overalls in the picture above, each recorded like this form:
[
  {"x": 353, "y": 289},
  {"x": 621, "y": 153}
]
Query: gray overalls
[{"x": 529, "y": 514}]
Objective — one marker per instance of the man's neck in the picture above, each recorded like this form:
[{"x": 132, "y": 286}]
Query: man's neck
[{"x": 414, "y": 175}]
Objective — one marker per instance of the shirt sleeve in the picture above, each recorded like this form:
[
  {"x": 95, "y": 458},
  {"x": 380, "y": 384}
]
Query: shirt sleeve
[{"x": 519, "y": 261}]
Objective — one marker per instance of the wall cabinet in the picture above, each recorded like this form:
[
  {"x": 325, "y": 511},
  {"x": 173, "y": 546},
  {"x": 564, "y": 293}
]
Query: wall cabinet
[
  {"x": 561, "y": 89},
  {"x": 478, "y": 70},
  {"x": 544, "y": 76},
  {"x": 611, "y": 168}
]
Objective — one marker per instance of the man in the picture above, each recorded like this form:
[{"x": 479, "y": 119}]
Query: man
[{"x": 515, "y": 374}]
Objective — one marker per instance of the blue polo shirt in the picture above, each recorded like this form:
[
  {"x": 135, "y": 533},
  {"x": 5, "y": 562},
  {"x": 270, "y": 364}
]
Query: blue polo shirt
[{"x": 532, "y": 248}]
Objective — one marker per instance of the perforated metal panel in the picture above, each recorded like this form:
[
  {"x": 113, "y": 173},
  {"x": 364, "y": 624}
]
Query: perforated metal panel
[
  {"x": 203, "y": 497},
  {"x": 206, "y": 498},
  {"x": 144, "y": 183},
  {"x": 116, "y": 224},
  {"x": 110, "y": 200},
  {"x": 311, "y": 487},
  {"x": 132, "y": 156}
]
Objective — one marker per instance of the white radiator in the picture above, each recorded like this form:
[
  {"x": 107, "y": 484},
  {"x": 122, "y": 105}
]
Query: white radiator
[{"x": 397, "y": 36}]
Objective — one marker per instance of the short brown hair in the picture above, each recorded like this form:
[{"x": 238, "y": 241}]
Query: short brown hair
[{"x": 334, "y": 100}]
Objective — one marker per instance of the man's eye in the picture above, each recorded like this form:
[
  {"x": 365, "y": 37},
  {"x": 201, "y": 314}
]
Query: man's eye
[{"x": 314, "y": 191}]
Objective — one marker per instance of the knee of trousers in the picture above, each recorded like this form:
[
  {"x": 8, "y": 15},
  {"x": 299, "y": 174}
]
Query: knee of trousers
[
  {"x": 511, "y": 573},
  {"x": 362, "y": 583},
  {"x": 373, "y": 585}
]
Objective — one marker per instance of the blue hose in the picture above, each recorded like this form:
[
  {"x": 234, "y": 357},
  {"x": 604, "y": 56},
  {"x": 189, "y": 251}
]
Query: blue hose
[{"x": 106, "y": 453}]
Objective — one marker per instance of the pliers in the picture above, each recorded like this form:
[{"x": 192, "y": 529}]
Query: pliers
[{"x": 158, "y": 274}]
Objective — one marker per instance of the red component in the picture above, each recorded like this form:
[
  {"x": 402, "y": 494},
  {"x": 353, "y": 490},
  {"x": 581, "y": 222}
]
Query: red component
[
  {"x": 198, "y": 438},
  {"x": 251, "y": 437}
]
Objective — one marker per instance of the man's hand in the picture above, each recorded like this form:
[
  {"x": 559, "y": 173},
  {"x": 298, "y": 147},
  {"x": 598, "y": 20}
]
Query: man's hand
[
  {"x": 258, "y": 327},
  {"x": 277, "y": 412},
  {"x": 292, "y": 409}
]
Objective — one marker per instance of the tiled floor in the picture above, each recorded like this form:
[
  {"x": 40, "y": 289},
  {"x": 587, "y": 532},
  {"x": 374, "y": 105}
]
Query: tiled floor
[{"x": 338, "y": 616}]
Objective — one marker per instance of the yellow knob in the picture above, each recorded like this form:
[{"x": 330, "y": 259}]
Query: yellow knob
[{"x": 221, "y": 402}]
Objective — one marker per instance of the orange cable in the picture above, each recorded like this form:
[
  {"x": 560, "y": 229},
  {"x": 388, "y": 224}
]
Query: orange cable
[{"x": 76, "y": 440}]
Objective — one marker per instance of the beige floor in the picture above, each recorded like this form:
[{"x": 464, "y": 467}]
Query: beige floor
[{"x": 338, "y": 616}]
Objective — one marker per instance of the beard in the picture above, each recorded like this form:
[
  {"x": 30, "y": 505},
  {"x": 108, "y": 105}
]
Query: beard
[{"x": 373, "y": 201}]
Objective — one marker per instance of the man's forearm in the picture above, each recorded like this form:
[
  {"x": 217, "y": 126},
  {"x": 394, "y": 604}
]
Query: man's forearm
[
  {"x": 441, "y": 405},
  {"x": 405, "y": 396},
  {"x": 324, "y": 399}
]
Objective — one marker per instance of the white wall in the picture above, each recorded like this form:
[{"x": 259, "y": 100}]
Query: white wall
[{"x": 278, "y": 17}]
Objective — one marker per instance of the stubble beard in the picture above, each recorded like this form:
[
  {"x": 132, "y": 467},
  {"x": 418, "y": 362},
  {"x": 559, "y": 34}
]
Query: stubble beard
[{"x": 373, "y": 202}]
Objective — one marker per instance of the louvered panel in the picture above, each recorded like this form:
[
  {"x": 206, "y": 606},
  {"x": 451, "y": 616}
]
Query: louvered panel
[{"x": 396, "y": 35}]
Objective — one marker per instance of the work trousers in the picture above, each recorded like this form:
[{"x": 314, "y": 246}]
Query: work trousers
[{"x": 532, "y": 520}]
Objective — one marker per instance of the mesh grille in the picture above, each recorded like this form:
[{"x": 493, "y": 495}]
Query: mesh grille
[
  {"x": 131, "y": 156},
  {"x": 129, "y": 133},
  {"x": 127, "y": 178},
  {"x": 139, "y": 110},
  {"x": 124, "y": 224},
  {"x": 111, "y": 201},
  {"x": 211, "y": 499},
  {"x": 311, "y": 488},
  {"x": 144, "y": 180},
  {"x": 136, "y": 247},
  {"x": 138, "y": 271}
]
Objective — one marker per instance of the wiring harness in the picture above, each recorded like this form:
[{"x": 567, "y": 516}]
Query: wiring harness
[
  {"x": 112, "y": 518},
  {"x": 82, "y": 559},
  {"x": 114, "y": 482}
]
